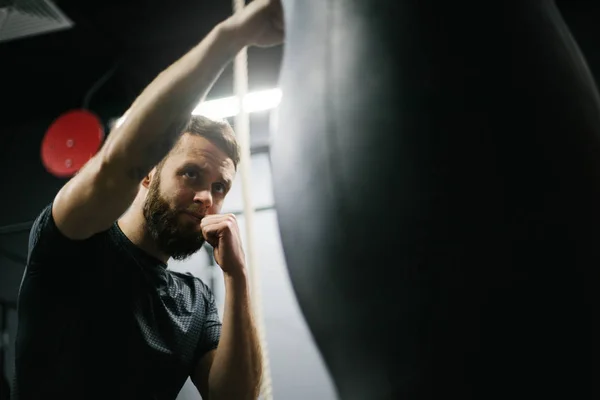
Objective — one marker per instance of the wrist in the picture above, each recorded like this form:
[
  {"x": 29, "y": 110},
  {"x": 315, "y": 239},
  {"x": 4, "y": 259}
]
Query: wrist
[
  {"x": 233, "y": 30},
  {"x": 237, "y": 277}
]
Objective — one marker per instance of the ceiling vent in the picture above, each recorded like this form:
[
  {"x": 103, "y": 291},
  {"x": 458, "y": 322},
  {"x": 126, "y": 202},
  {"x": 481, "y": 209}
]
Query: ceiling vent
[{"x": 24, "y": 18}]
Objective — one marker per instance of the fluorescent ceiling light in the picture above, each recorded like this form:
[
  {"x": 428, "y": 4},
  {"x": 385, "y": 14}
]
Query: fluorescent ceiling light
[{"x": 229, "y": 106}]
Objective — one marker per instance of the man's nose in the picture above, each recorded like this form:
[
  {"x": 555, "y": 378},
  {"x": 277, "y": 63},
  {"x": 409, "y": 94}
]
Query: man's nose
[{"x": 205, "y": 197}]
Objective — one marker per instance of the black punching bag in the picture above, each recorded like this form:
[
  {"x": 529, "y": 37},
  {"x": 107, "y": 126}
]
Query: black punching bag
[{"x": 437, "y": 178}]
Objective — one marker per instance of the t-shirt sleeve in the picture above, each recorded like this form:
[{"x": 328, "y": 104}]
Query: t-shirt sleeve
[
  {"x": 211, "y": 331},
  {"x": 47, "y": 244}
]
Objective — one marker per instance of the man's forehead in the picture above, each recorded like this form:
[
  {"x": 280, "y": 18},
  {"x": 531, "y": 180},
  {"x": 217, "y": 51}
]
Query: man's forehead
[{"x": 199, "y": 150}]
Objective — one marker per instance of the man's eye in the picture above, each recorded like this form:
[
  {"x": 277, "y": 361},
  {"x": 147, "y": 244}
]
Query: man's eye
[
  {"x": 191, "y": 174},
  {"x": 219, "y": 187}
]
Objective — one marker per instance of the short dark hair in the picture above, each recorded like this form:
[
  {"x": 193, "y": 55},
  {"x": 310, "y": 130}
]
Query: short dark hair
[{"x": 219, "y": 133}]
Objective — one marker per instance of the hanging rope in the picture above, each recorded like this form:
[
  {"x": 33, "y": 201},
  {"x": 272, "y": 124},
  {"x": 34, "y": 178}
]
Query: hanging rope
[
  {"x": 88, "y": 96},
  {"x": 242, "y": 128}
]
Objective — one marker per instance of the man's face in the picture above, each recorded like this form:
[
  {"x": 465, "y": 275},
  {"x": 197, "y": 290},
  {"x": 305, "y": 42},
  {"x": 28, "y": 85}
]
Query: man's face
[{"x": 192, "y": 183}]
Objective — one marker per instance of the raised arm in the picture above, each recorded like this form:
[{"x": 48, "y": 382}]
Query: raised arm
[{"x": 106, "y": 186}]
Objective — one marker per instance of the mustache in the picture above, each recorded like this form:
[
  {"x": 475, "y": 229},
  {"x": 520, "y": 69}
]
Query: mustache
[{"x": 196, "y": 212}]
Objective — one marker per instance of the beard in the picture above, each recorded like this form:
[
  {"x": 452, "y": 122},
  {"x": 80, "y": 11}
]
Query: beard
[{"x": 178, "y": 240}]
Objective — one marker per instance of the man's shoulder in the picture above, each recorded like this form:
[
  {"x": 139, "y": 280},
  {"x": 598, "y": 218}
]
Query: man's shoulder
[
  {"x": 46, "y": 240},
  {"x": 188, "y": 279},
  {"x": 43, "y": 222},
  {"x": 191, "y": 290},
  {"x": 44, "y": 236}
]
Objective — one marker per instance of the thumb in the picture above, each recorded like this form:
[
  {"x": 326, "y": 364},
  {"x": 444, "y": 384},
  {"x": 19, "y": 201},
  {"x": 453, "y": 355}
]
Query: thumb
[{"x": 211, "y": 236}]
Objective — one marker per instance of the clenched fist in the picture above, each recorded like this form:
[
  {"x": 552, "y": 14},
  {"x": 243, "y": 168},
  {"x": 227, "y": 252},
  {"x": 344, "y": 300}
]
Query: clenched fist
[
  {"x": 260, "y": 23},
  {"x": 221, "y": 231}
]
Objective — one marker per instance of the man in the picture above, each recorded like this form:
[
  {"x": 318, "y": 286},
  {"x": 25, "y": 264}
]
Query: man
[{"x": 100, "y": 316}]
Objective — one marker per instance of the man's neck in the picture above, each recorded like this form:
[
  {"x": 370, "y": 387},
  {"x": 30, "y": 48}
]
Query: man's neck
[{"x": 133, "y": 225}]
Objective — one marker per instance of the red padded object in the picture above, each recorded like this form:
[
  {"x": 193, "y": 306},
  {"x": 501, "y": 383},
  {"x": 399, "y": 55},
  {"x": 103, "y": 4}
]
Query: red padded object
[{"x": 71, "y": 140}]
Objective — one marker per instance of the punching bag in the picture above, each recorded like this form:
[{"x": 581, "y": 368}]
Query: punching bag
[
  {"x": 436, "y": 170},
  {"x": 4, "y": 385}
]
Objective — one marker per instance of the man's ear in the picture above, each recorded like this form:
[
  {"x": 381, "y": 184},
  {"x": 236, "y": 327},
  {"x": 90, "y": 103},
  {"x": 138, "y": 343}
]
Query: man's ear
[{"x": 148, "y": 178}]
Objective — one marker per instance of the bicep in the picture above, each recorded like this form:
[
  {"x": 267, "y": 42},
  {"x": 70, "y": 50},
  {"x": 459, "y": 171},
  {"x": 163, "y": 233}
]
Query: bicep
[
  {"x": 92, "y": 200},
  {"x": 202, "y": 372}
]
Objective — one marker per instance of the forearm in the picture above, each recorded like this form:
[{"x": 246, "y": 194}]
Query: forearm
[
  {"x": 237, "y": 368},
  {"x": 155, "y": 119}
]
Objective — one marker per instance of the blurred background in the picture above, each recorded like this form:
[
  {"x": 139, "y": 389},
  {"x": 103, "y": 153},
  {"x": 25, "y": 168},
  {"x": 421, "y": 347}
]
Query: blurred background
[{"x": 60, "y": 55}]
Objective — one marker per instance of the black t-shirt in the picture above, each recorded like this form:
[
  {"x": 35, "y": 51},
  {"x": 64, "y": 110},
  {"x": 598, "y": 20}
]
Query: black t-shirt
[{"x": 100, "y": 318}]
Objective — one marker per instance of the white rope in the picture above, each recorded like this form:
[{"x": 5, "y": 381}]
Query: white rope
[{"x": 242, "y": 128}]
